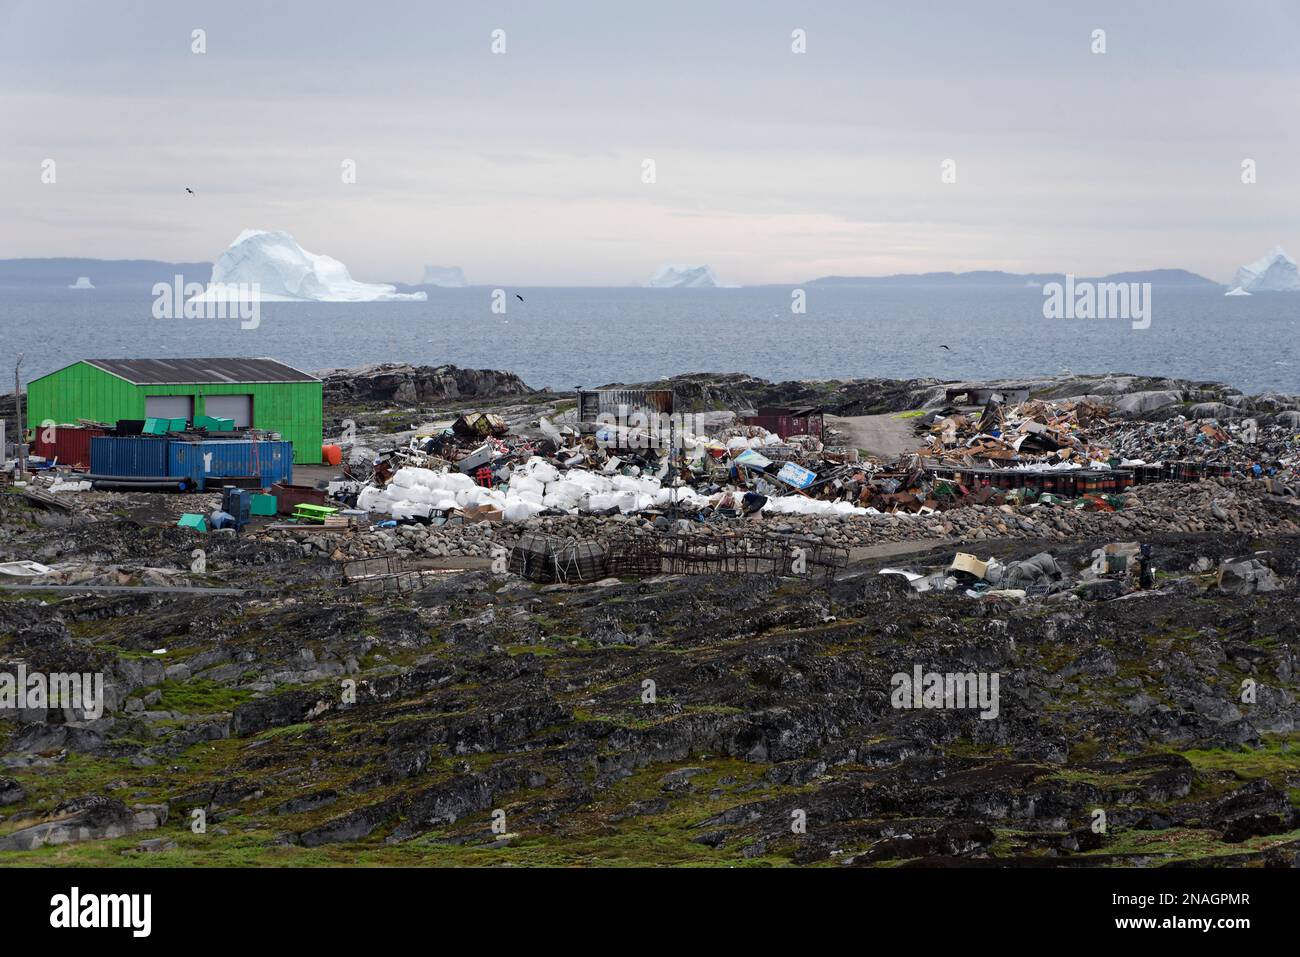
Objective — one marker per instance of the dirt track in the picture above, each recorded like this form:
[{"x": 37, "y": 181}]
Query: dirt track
[{"x": 886, "y": 436}]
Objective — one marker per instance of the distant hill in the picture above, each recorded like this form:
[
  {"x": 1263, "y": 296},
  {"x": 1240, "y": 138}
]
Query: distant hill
[
  {"x": 59, "y": 273},
  {"x": 994, "y": 278}
]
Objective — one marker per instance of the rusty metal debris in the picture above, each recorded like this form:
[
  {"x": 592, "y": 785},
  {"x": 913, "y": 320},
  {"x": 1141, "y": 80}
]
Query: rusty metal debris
[{"x": 384, "y": 573}]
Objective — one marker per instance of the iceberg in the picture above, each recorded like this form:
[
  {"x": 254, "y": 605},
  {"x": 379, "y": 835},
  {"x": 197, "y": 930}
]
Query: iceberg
[
  {"x": 285, "y": 272},
  {"x": 1236, "y": 291},
  {"x": 83, "y": 282},
  {"x": 447, "y": 277},
  {"x": 683, "y": 277},
  {"x": 1276, "y": 272}
]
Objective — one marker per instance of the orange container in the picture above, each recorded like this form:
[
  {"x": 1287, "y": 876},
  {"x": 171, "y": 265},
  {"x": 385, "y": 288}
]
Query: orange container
[{"x": 331, "y": 454}]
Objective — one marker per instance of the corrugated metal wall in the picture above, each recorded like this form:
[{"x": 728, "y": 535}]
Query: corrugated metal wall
[
  {"x": 135, "y": 456},
  {"x": 70, "y": 445},
  {"x": 200, "y": 461},
  {"x": 629, "y": 401},
  {"x": 294, "y": 409},
  {"x": 787, "y": 425}
]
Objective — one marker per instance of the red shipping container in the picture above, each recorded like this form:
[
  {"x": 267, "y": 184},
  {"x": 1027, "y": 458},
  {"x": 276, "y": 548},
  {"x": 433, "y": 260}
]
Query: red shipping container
[{"x": 69, "y": 444}]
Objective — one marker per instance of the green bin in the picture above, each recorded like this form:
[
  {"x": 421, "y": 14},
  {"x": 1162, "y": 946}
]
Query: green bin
[{"x": 190, "y": 520}]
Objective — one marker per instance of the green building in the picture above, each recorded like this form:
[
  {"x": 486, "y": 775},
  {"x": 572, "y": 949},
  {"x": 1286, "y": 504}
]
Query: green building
[{"x": 257, "y": 393}]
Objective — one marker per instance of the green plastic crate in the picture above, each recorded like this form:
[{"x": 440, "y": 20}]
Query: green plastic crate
[
  {"x": 156, "y": 426},
  {"x": 313, "y": 513},
  {"x": 263, "y": 505},
  {"x": 214, "y": 423},
  {"x": 190, "y": 520},
  {"x": 177, "y": 425}
]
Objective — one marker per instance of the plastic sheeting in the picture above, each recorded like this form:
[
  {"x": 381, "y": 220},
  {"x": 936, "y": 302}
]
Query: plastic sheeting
[{"x": 537, "y": 485}]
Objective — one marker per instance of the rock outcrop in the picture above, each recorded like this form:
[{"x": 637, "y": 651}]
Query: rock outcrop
[{"x": 392, "y": 382}]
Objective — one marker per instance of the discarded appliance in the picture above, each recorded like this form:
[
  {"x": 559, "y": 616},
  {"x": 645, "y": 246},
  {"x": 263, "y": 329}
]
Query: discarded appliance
[
  {"x": 476, "y": 460},
  {"x": 237, "y": 503}
]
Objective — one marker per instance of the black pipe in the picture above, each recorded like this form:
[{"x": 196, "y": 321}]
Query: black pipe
[
  {"x": 151, "y": 485},
  {"x": 95, "y": 477}
]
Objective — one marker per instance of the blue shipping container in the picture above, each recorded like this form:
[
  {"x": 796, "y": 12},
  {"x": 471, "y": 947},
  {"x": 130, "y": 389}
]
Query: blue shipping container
[
  {"x": 134, "y": 456},
  {"x": 271, "y": 462}
]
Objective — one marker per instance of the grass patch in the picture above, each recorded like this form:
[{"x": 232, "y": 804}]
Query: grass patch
[{"x": 199, "y": 696}]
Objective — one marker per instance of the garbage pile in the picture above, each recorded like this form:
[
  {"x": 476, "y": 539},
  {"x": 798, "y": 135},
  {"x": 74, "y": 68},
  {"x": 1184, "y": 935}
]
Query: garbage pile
[
  {"x": 1116, "y": 570},
  {"x": 1038, "y": 435},
  {"x": 1068, "y": 454},
  {"x": 1040, "y": 432},
  {"x": 475, "y": 470},
  {"x": 1039, "y": 575}
]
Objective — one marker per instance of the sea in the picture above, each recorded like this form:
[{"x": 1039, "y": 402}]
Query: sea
[{"x": 566, "y": 337}]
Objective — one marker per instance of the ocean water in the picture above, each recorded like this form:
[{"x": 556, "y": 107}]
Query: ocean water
[{"x": 564, "y": 337}]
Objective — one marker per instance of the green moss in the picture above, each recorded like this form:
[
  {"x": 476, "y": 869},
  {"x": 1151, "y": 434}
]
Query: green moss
[{"x": 199, "y": 696}]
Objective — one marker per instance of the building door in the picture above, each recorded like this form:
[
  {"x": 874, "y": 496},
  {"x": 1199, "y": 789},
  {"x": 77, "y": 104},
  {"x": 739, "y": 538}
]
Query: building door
[
  {"x": 237, "y": 407},
  {"x": 169, "y": 407}
]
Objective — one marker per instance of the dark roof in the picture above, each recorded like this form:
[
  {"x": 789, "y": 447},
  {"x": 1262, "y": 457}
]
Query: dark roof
[
  {"x": 200, "y": 371},
  {"x": 792, "y": 410}
]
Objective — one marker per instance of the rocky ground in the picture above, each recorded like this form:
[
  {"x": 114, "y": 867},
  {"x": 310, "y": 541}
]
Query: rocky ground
[{"x": 715, "y": 720}]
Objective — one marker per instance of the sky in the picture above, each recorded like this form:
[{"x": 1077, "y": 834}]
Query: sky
[{"x": 528, "y": 166}]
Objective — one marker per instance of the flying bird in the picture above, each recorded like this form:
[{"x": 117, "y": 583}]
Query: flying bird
[
  {"x": 945, "y": 347},
  {"x": 190, "y": 191},
  {"x": 519, "y": 297}
]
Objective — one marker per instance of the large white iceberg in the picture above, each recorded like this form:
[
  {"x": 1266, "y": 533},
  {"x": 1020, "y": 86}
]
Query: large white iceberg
[
  {"x": 285, "y": 272},
  {"x": 448, "y": 277},
  {"x": 1276, "y": 272},
  {"x": 83, "y": 282},
  {"x": 683, "y": 277}
]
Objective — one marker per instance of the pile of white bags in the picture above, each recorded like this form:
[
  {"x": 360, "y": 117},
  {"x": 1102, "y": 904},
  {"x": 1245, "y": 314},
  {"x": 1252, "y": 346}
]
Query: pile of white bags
[
  {"x": 799, "y": 505},
  {"x": 533, "y": 486},
  {"x": 537, "y": 485}
]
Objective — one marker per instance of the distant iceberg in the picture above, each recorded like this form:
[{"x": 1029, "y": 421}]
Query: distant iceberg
[
  {"x": 83, "y": 282},
  {"x": 1236, "y": 291},
  {"x": 683, "y": 277},
  {"x": 448, "y": 277},
  {"x": 1276, "y": 272},
  {"x": 285, "y": 272}
]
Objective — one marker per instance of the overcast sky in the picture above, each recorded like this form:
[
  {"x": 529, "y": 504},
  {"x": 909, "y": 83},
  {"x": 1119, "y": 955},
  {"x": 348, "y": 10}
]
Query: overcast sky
[{"x": 526, "y": 167}]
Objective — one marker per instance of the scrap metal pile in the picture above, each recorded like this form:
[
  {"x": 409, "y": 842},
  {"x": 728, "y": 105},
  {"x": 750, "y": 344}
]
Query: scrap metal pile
[
  {"x": 1115, "y": 570},
  {"x": 1085, "y": 435},
  {"x": 494, "y": 476},
  {"x": 1072, "y": 454},
  {"x": 1051, "y": 451}
]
